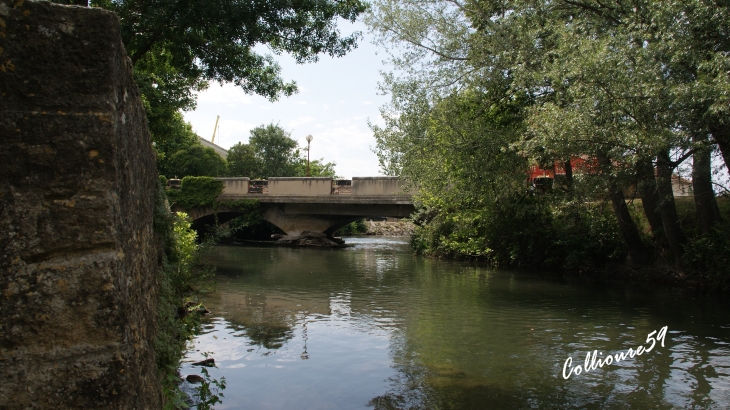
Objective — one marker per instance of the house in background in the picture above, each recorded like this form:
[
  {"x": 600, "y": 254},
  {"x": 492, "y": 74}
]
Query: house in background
[
  {"x": 218, "y": 149},
  {"x": 544, "y": 178}
]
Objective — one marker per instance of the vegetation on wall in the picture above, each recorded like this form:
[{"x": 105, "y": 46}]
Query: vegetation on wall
[
  {"x": 180, "y": 276},
  {"x": 196, "y": 192}
]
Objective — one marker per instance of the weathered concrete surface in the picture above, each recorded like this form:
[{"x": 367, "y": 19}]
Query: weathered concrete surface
[
  {"x": 300, "y": 186},
  {"x": 77, "y": 252},
  {"x": 235, "y": 186},
  {"x": 375, "y": 186}
]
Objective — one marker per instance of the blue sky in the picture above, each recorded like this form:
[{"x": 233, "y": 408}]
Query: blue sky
[{"x": 335, "y": 100}]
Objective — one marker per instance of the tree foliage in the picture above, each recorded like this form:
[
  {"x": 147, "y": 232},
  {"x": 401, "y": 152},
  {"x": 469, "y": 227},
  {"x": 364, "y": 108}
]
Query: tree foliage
[
  {"x": 271, "y": 152},
  {"x": 483, "y": 89},
  {"x": 178, "y": 46}
]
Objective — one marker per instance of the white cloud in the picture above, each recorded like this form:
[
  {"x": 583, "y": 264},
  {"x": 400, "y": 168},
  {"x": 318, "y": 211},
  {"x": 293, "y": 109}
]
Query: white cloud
[
  {"x": 341, "y": 95},
  {"x": 228, "y": 94},
  {"x": 301, "y": 120}
]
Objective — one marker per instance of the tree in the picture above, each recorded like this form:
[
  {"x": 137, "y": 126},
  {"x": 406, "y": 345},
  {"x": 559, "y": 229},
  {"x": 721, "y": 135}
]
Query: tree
[
  {"x": 178, "y": 46},
  {"x": 317, "y": 168},
  {"x": 242, "y": 161},
  {"x": 276, "y": 152},
  {"x": 180, "y": 153},
  {"x": 197, "y": 161},
  {"x": 639, "y": 84}
]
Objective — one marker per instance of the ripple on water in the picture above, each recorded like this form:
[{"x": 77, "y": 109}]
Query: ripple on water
[{"x": 373, "y": 325}]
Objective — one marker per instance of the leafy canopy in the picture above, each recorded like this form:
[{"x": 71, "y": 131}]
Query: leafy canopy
[
  {"x": 179, "y": 46},
  {"x": 271, "y": 152}
]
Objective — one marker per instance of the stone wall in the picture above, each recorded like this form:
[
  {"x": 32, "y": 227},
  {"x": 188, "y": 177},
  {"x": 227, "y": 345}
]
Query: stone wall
[{"x": 78, "y": 255}]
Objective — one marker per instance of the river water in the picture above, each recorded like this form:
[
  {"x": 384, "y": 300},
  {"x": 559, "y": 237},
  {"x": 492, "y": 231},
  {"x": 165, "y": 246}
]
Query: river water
[{"x": 374, "y": 326}]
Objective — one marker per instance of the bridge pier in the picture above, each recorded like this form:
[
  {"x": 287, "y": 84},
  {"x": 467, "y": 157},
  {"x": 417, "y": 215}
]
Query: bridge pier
[
  {"x": 321, "y": 214},
  {"x": 295, "y": 223}
]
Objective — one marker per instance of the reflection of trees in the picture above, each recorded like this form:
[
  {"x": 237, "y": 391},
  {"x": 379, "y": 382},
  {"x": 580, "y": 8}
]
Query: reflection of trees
[
  {"x": 267, "y": 335},
  {"x": 463, "y": 337}
]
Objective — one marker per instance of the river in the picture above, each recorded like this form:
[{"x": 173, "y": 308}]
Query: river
[{"x": 374, "y": 326}]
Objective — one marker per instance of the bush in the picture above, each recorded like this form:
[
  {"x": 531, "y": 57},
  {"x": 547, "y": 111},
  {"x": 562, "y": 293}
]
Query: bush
[
  {"x": 525, "y": 231},
  {"x": 708, "y": 255},
  {"x": 353, "y": 228},
  {"x": 196, "y": 192},
  {"x": 180, "y": 274}
]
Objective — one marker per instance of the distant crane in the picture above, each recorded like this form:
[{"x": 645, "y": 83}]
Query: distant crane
[{"x": 217, "y": 117}]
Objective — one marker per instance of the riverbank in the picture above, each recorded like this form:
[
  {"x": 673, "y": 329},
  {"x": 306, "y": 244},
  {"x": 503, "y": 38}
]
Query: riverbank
[{"x": 397, "y": 228}]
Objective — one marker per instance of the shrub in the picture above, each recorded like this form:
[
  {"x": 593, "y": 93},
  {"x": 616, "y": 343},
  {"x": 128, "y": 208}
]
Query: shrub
[{"x": 196, "y": 192}]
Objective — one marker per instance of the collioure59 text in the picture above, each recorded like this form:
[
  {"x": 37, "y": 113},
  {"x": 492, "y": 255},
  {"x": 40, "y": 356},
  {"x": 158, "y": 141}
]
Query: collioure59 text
[{"x": 593, "y": 362}]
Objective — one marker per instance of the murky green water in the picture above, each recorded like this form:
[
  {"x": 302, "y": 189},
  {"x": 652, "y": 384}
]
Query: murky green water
[{"x": 375, "y": 326}]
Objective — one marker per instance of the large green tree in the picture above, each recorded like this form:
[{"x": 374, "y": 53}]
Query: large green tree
[
  {"x": 271, "y": 152},
  {"x": 636, "y": 85},
  {"x": 178, "y": 46},
  {"x": 242, "y": 161},
  {"x": 275, "y": 150}
]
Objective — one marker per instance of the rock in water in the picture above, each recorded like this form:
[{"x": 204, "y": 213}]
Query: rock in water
[
  {"x": 194, "y": 379},
  {"x": 207, "y": 362},
  {"x": 309, "y": 238}
]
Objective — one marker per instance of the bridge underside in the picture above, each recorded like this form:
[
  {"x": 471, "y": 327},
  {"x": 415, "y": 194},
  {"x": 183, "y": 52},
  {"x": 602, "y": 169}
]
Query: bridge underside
[{"x": 295, "y": 218}]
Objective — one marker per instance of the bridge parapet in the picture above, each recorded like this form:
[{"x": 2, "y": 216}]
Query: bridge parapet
[
  {"x": 376, "y": 186},
  {"x": 235, "y": 186},
  {"x": 317, "y": 186},
  {"x": 298, "y": 186}
]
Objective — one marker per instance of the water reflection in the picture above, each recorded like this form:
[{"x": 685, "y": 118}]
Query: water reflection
[{"x": 376, "y": 326}]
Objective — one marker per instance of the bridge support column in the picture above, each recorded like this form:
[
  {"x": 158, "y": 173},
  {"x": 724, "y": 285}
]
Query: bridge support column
[{"x": 295, "y": 223}]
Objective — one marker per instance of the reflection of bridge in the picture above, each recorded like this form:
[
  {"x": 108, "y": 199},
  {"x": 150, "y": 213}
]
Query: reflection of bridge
[{"x": 311, "y": 204}]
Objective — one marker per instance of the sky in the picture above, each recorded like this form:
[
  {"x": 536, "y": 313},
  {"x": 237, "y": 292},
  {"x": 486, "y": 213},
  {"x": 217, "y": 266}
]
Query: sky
[{"x": 336, "y": 98}]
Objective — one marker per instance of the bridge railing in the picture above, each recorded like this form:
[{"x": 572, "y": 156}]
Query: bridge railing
[{"x": 317, "y": 186}]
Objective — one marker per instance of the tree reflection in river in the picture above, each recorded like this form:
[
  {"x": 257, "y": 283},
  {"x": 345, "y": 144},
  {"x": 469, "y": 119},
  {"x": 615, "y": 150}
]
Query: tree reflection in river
[{"x": 390, "y": 330}]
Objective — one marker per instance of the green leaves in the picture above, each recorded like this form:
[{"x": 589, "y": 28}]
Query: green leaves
[{"x": 271, "y": 152}]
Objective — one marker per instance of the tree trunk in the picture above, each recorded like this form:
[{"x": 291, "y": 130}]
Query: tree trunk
[
  {"x": 667, "y": 207},
  {"x": 639, "y": 254},
  {"x": 721, "y": 134},
  {"x": 646, "y": 186},
  {"x": 708, "y": 212},
  {"x": 569, "y": 176}
]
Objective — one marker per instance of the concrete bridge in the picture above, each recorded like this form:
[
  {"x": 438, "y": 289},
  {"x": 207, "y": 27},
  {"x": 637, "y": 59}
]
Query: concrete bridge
[{"x": 310, "y": 204}]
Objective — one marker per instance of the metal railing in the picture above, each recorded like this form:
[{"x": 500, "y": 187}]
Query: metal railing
[
  {"x": 258, "y": 187},
  {"x": 342, "y": 187}
]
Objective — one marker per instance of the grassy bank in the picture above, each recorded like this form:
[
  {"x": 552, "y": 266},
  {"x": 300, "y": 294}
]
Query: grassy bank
[{"x": 181, "y": 278}]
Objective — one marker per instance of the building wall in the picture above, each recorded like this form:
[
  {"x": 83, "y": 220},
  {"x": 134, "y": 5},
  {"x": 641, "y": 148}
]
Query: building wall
[{"x": 218, "y": 149}]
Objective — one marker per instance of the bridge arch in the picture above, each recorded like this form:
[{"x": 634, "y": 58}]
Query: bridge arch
[
  {"x": 292, "y": 224},
  {"x": 321, "y": 205}
]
